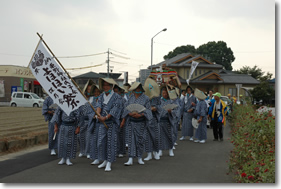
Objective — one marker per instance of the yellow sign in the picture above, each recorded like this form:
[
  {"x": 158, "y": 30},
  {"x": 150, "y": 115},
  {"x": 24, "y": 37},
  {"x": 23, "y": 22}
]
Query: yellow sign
[{"x": 15, "y": 71}]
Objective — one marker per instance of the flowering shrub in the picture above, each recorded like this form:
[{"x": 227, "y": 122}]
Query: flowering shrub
[{"x": 253, "y": 136}]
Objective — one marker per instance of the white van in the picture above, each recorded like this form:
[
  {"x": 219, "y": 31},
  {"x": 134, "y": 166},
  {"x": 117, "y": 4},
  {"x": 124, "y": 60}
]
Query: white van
[{"x": 26, "y": 99}]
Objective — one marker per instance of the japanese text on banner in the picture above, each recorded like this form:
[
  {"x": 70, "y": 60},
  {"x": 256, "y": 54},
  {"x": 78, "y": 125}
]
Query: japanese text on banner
[{"x": 55, "y": 81}]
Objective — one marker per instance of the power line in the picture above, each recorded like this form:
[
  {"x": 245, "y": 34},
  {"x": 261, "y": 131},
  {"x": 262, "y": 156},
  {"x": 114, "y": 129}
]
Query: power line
[
  {"x": 85, "y": 67},
  {"x": 120, "y": 56},
  {"x": 118, "y": 51},
  {"x": 81, "y": 55}
]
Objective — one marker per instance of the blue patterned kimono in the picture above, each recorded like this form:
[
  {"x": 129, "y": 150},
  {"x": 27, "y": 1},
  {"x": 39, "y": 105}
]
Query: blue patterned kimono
[
  {"x": 201, "y": 110},
  {"x": 53, "y": 144},
  {"x": 92, "y": 131},
  {"x": 83, "y": 136},
  {"x": 137, "y": 128},
  {"x": 187, "y": 128},
  {"x": 67, "y": 139},
  {"x": 121, "y": 145},
  {"x": 167, "y": 122},
  {"x": 107, "y": 138},
  {"x": 152, "y": 141},
  {"x": 177, "y": 120}
]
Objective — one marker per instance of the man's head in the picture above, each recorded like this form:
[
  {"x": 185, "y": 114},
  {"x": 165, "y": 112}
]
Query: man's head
[
  {"x": 217, "y": 96},
  {"x": 96, "y": 92},
  {"x": 106, "y": 86},
  {"x": 211, "y": 92},
  {"x": 189, "y": 90},
  {"x": 164, "y": 93},
  {"x": 183, "y": 92}
]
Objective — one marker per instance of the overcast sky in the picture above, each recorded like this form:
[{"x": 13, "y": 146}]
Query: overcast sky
[{"x": 73, "y": 28}]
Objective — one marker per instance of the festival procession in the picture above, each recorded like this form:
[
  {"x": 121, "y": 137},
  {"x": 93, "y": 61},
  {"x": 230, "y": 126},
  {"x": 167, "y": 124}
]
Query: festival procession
[{"x": 106, "y": 121}]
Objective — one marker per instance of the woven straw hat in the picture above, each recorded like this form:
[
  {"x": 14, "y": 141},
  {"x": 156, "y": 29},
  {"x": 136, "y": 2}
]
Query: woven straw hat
[
  {"x": 108, "y": 80},
  {"x": 89, "y": 83},
  {"x": 199, "y": 94},
  {"x": 93, "y": 88},
  {"x": 135, "y": 86},
  {"x": 151, "y": 88}
]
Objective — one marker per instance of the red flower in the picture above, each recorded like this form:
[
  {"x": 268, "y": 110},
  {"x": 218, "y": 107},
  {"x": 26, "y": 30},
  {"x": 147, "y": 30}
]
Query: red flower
[
  {"x": 243, "y": 175},
  {"x": 262, "y": 164},
  {"x": 270, "y": 151},
  {"x": 265, "y": 170},
  {"x": 250, "y": 177}
]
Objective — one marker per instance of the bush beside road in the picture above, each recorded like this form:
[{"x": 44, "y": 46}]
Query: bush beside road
[{"x": 253, "y": 136}]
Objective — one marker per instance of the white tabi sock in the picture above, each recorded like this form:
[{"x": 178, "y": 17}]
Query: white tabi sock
[
  {"x": 62, "y": 161},
  {"x": 80, "y": 155},
  {"x": 156, "y": 155},
  {"x": 160, "y": 153},
  {"x": 68, "y": 162},
  {"x": 171, "y": 153},
  {"x": 88, "y": 156},
  {"x": 103, "y": 164},
  {"x": 53, "y": 152},
  {"x": 95, "y": 162},
  {"x": 140, "y": 161},
  {"x": 149, "y": 156},
  {"x": 130, "y": 162},
  {"x": 108, "y": 167}
]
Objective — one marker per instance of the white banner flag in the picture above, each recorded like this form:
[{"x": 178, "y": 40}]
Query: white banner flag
[
  {"x": 194, "y": 64},
  {"x": 55, "y": 81}
]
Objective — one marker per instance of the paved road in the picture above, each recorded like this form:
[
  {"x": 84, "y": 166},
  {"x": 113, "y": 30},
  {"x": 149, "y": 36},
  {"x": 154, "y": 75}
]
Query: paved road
[{"x": 192, "y": 163}]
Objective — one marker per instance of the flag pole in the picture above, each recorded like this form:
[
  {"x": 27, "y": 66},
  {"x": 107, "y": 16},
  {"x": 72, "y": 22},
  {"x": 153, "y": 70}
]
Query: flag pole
[
  {"x": 35, "y": 50},
  {"x": 68, "y": 75}
]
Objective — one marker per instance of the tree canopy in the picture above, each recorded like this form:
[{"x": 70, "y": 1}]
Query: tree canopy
[
  {"x": 180, "y": 50},
  {"x": 217, "y": 52},
  {"x": 255, "y": 72}
]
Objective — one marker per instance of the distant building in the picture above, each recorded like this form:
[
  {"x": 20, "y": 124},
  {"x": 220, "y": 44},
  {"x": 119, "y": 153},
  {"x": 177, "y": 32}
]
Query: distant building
[
  {"x": 208, "y": 75},
  {"x": 143, "y": 74},
  {"x": 17, "y": 78}
]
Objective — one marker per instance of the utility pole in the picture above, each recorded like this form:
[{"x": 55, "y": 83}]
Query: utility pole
[{"x": 108, "y": 63}]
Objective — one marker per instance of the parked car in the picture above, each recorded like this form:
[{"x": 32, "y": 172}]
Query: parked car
[
  {"x": 227, "y": 101},
  {"x": 26, "y": 99}
]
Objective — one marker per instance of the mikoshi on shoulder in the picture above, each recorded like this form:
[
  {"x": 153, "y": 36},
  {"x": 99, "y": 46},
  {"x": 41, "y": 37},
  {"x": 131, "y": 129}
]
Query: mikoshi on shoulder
[
  {"x": 199, "y": 94},
  {"x": 151, "y": 88},
  {"x": 108, "y": 80},
  {"x": 135, "y": 86}
]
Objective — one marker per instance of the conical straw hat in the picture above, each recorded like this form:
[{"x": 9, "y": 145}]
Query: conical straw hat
[
  {"x": 199, "y": 94},
  {"x": 108, "y": 80},
  {"x": 135, "y": 86}
]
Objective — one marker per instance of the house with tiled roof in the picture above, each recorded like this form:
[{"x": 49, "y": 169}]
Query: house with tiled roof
[{"x": 208, "y": 75}]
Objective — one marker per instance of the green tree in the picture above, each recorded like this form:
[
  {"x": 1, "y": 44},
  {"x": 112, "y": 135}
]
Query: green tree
[
  {"x": 263, "y": 92},
  {"x": 179, "y": 50},
  {"x": 255, "y": 72},
  {"x": 217, "y": 52}
]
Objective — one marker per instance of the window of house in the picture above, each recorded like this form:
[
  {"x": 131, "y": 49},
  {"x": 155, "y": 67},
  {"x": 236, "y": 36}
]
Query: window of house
[
  {"x": 200, "y": 72},
  {"x": 232, "y": 91},
  {"x": 187, "y": 75},
  {"x": 195, "y": 72}
]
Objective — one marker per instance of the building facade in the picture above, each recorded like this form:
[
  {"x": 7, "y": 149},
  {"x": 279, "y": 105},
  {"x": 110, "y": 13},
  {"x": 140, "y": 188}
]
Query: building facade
[
  {"x": 208, "y": 75},
  {"x": 17, "y": 78}
]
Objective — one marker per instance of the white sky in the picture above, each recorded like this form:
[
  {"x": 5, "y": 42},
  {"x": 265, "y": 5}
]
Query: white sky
[{"x": 87, "y": 27}]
